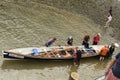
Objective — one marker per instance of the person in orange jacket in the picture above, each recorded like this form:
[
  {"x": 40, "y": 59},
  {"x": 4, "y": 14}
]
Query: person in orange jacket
[{"x": 103, "y": 52}]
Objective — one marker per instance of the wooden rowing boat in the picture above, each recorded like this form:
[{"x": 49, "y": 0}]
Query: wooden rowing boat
[{"x": 47, "y": 53}]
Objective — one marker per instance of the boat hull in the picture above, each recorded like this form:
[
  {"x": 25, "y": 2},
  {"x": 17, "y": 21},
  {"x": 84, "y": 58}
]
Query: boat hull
[
  {"x": 7, "y": 55},
  {"x": 27, "y": 53}
]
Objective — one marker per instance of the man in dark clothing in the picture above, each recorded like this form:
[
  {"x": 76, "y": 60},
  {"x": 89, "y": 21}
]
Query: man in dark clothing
[
  {"x": 86, "y": 44},
  {"x": 111, "y": 50},
  {"x": 86, "y": 41},
  {"x": 77, "y": 56},
  {"x": 110, "y": 10},
  {"x": 70, "y": 41}
]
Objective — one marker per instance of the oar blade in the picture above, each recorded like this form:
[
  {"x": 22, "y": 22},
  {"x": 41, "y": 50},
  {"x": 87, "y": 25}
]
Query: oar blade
[{"x": 100, "y": 77}]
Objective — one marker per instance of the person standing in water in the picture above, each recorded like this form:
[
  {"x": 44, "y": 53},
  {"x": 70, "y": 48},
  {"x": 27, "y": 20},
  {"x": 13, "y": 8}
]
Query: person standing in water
[
  {"x": 77, "y": 56},
  {"x": 70, "y": 41},
  {"x": 109, "y": 19},
  {"x": 112, "y": 47},
  {"x": 96, "y": 39},
  {"x": 86, "y": 41},
  {"x": 103, "y": 52}
]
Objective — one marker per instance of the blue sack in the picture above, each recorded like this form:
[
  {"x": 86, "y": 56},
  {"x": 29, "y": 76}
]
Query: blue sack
[{"x": 35, "y": 51}]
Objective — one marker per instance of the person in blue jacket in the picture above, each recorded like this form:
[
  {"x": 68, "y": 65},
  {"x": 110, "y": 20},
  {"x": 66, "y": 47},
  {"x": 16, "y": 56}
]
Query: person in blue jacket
[
  {"x": 113, "y": 70},
  {"x": 50, "y": 42}
]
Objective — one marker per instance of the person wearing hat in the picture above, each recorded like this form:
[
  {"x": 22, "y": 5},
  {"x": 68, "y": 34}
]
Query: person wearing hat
[
  {"x": 70, "y": 41},
  {"x": 112, "y": 49},
  {"x": 96, "y": 38}
]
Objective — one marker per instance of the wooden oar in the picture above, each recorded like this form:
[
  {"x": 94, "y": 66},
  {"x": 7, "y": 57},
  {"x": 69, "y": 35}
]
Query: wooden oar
[{"x": 102, "y": 77}]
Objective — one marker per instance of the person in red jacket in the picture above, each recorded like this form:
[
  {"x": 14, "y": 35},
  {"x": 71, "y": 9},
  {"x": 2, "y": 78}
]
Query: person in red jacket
[{"x": 96, "y": 39}]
